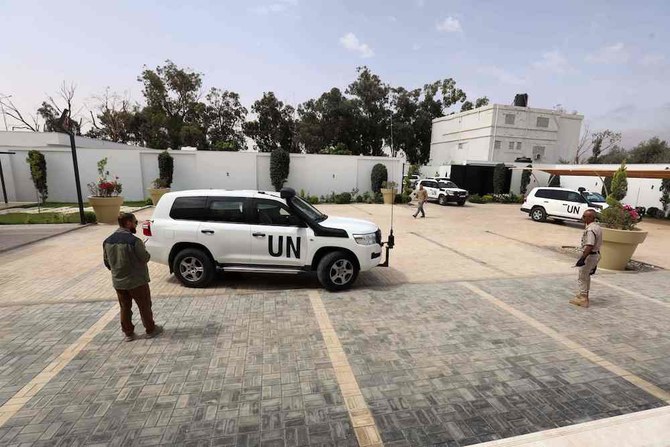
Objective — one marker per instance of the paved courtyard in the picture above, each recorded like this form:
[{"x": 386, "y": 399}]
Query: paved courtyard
[{"x": 466, "y": 339}]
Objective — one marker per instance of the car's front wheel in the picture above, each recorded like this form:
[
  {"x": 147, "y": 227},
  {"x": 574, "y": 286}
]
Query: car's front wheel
[
  {"x": 442, "y": 200},
  {"x": 461, "y": 202},
  {"x": 193, "y": 268},
  {"x": 538, "y": 214},
  {"x": 337, "y": 271}
]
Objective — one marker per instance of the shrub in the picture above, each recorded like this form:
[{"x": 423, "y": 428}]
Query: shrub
[
  {"x": 359, "y": 199},
  {"x": 499, "y": 178},
  {"x": 313, "y": 200},
  {"x": 38, "y": 172},
  {"x": 665, "y": 194},
  {"x": 343, "y": 198},
  {"x": 655, "y": 212},
  {"x": 476, "y": 198},
  {"x": 389, "y": 185},
  {"x": 165, "y": 168},
  {"x": 525, "y": 180},
  {"x": 488, "y": 198},
  {"x": 378, "y": 176},
  {"x": 378, "y": 197},
  {"x": 619, "y": 183},
  {"x": 367, "y": 197},
  {"x": 104, "y": 187},
  {"x": 279, "y": 167}
]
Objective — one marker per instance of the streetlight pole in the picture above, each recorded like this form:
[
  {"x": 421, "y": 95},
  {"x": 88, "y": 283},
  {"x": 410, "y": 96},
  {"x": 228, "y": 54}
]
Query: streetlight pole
[{"x": 65, "y": 124}]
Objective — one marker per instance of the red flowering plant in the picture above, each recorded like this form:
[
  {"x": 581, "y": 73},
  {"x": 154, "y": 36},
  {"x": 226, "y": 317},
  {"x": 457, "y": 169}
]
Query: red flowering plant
[
  {"x": 617, "y": 215},
  {"x": 104, "y": 186}
]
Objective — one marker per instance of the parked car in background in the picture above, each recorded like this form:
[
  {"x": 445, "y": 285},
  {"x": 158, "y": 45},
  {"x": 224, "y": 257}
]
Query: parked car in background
[
  {"x": 413, "y": 179},
  {"x": 557, "y": 203},
  {"x": 444, "y": 192},
  {"x": 593, "y": 198}
]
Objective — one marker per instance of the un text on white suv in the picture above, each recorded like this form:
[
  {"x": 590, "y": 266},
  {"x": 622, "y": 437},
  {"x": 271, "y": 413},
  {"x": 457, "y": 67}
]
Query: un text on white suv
[
  {"x": 556, "y": 203},
  {"x": 197, "y": 233}
]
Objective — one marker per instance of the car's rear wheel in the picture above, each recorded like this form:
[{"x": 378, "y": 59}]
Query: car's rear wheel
[
  {"x": 442, "y": 200},
  {"x": 194, "y": 268},
  {"x": 538, "y": 214},
  {"x": 461, "y": 202},
  {"x": 337, "y": 271}
]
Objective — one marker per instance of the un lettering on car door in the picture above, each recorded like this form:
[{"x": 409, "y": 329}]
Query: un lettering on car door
[{"x": 280, "y": 246}]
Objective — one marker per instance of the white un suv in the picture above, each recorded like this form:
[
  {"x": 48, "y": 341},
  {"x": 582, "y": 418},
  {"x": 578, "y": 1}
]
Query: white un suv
[
  {"x": 558, "y": 204},
  {"x": 197, "y": 232}
]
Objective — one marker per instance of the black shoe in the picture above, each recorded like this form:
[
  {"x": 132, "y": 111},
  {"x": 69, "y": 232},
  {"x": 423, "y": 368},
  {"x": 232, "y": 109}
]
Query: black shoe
[
  {"x": 130, "y": 337},
  {"x": 157, "y": 331}
]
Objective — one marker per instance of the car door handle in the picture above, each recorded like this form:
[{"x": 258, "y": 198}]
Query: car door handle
[
  {"x": 565, "y": 204},
  {"x": 258, "y": 234},
  {"x": 207, "y": 231}
]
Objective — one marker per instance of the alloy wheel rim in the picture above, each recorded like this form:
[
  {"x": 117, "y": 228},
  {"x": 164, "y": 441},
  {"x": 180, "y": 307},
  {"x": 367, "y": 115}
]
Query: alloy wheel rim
[
  {"x": 191, "y": 269},
  {"x": 341, "y": 272}
]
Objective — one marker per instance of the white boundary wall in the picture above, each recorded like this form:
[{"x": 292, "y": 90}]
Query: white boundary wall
[{"x": 138, "y": 167}]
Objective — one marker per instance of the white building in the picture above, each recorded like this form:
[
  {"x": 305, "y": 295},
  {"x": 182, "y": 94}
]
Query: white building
[{"x": 502, "y": 133}]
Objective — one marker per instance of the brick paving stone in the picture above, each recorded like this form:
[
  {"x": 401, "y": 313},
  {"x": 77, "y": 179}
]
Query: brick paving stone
[{"x": 444, "y": 366}]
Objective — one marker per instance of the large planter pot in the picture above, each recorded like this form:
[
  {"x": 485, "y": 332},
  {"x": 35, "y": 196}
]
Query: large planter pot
[
  {"x": 106, "y": 208},
  {"x": 389, "y": 195},
  {"x": 156, "y": 194},
  {"x": 618, "y": 247}
]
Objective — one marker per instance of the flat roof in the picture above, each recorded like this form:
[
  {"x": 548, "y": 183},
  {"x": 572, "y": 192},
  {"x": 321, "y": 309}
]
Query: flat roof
[{"x": 652, "y": 171}]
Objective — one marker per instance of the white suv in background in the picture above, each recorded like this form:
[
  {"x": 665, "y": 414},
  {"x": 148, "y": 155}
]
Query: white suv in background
[
  {"x": 443, "y": 191},
  {"x": 557, "y": 203},
  {"x": 197, "y": 232}
]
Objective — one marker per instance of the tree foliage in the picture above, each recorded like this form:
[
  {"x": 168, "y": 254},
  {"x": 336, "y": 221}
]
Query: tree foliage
[
  {"x": 274, "y": 126},
  {"x": 371, "y": 97},
  {"x": 665, "y": 194},
  {"x": 38, "y": 172},
  {"x": 280, "y": 161}
]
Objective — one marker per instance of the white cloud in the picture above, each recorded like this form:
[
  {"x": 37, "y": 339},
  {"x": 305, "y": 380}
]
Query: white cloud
[
  {"x": 274, "y": 8},
  {"x": 502, "y": 75},
  {"x": 450, "y": 25},
  {"x": 652, "y": 60},
  {"x": 612, "y": 54},
  {"x": 553, "y": 61},
  {"x": 351, "y": 42}
]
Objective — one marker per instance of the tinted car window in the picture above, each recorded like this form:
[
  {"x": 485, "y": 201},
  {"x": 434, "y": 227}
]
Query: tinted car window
[
  {"x": 543, "y": 193},
  {"x": 575, "y": 197},
  {"x": 448, "y": 185},
  {"x": 226, "y": 209},
  {"x": 270, "y": 212},
  {"x": 560, "y": 194},
  {"x": 189, "y": 208},
  {"x": 430, "y": 184}
]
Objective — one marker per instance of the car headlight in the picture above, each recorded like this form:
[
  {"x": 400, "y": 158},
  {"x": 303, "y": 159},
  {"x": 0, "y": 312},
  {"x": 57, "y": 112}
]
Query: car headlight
[{"x": 365, "y": 239}]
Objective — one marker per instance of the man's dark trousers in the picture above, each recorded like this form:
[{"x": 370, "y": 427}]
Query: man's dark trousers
[{"x": 142, "y": 297}]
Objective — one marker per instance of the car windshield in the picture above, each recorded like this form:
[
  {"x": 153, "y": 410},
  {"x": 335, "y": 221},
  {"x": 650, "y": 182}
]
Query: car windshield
[
  {"x": 448, "y": 185},
  {"x": 593, "y": 197},
  {"x": 308, "y": 210}
]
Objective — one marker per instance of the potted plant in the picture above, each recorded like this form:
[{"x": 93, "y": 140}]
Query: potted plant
[
  {"x": 105, "y": 198},
  {"x": 620, "y": 236},
  {"x": 388, "y": 190},
  {"x": 162, "y": 184}
]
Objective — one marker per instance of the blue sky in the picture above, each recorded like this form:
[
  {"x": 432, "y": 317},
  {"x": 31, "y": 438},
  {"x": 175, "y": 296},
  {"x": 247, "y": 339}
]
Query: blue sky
[{"x": 608, "y": 60}]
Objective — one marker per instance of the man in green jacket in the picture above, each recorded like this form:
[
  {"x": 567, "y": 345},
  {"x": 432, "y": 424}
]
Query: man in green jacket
[{"x": 126, "y": 257}]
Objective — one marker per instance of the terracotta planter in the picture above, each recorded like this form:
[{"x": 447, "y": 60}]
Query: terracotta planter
[
  {"x": 618, "y": 247},
  {"x": 106, "y": 208},
  {"x": 389, "y": 195},
  {"x": 156, "y": 194}
]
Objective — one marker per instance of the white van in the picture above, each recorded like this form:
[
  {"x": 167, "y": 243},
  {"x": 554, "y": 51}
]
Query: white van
[
  {"x": 197, "y": 232},
  {"x": 556, "y": 203}
]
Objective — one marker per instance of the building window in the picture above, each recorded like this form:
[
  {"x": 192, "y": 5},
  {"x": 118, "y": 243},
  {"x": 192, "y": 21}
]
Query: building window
[
  {"x": 542, "y": 121},
  {"x": 497, "y": 144},
  {"x": 538, "y": 152},
  {"x": 461, "y": 145},
  {"x": 518, "y": 145},
  {"x": 509, "y": 118},
  {"x": 511, "y": 145}
]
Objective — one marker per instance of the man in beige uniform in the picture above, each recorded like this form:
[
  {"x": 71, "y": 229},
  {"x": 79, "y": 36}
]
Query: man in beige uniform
[
  {"x": 421, "y": 197},
  {"x": 592, "y": 240}
]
